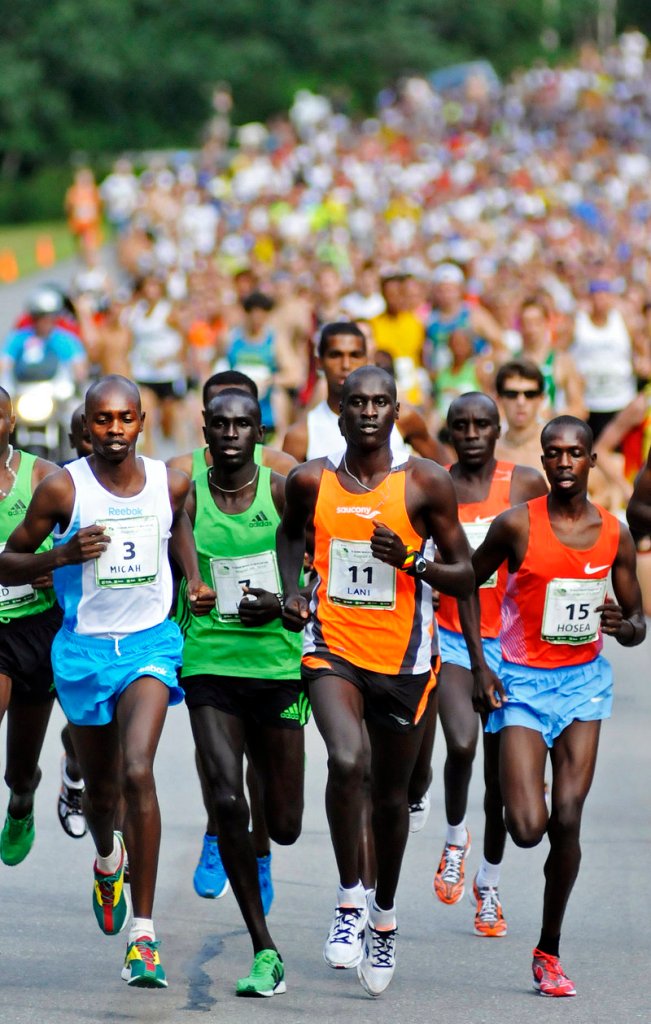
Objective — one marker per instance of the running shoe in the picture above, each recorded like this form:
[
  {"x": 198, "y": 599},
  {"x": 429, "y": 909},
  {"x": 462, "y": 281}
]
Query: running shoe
[
  {"x": 419, "y": 813},
  {"x": 142, "y": 966},
  {"x": 110, "y": 902},
  {"x": 549, "y": 978},
  {"x": 489, "y": 919},
  {"x": 450, "y": 878},
  {"x": 210, "y": 879},
  {"x": 343, "y": 947},
  {"x": 16, "y": 839},
  {"x": 266, "y": 884},
  {"x": 267, "y": 977},
  {"x": 378, "y": 962},
  {"x": 70, "y": 809}
]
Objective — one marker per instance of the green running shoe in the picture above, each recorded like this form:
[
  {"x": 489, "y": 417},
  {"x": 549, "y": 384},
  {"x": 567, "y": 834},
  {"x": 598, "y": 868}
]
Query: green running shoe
[
  {"x": 142, "y": 966},
  {"x": 267, "y": 977},
  {"x": 17, "y": 838},
  {"x": 110, "y": 901}
]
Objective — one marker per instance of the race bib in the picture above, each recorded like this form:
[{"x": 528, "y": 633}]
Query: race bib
[
  {"x": 132, "y": 559},
  {"x": 569, "y": 616},
  {"x": 358, "y": 579},
  {"x": 476, "y": 534},
  {"x": 15, "y": 597},
  {"x": 229, "y": 575}
]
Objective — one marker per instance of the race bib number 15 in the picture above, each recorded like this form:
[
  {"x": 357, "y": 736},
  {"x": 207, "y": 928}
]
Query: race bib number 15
[{"x": 569, "y": 616}]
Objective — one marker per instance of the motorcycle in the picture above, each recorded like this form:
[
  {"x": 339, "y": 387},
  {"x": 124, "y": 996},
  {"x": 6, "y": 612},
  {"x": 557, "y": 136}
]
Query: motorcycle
[{"x": 43, "y": 409}]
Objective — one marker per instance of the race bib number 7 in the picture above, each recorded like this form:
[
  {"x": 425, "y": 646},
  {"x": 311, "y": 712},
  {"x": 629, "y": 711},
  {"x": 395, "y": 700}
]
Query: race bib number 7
[
  {"x": 569, "y": 616},
  {"x": 358, "y": 579},
  {"x": 132, "y": 559},
  {"x": 231, "y": 575}
]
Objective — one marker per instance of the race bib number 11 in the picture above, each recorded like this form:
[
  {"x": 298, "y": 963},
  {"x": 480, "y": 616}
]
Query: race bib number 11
[
  {"x": 569, "y": 616},
  {"x": 132, "y": 559},
  {"x": 358, "y": 579}
]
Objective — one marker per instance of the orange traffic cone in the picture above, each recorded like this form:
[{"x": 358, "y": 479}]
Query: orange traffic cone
[
  {"x": 45, "y": 252},
  {"x": 8, "y": 266}
]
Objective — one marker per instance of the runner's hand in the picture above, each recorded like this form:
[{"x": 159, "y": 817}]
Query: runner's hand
[
  {"x": 43, "y": 582},
  {"x": 88, "y": 543},
  {"x": 258, "y": 607},
  {"x": 296, "y": 612},
  {"x": 488, "y": 691},
  {"x": 612, "y": 616},
  {"x": 387, "y": 546},
  {"x": 200, "y": 597}
]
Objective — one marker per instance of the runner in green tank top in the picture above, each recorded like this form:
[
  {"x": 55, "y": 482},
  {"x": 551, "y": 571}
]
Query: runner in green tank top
[
  {"x": 256, "y": 699},
  {"x": 29, "y": 620}
]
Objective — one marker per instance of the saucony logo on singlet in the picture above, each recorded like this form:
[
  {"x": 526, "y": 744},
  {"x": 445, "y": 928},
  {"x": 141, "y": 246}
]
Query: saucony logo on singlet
[
  {"x": 590, "y": 570},
  {"x": 363, "y": 511},
  {"x": 18, "y": 508},
  {"x": 260, "y": 520}
]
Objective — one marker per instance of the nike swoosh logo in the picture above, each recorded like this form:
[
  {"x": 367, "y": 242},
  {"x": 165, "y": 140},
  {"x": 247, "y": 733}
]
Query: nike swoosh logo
[
  {"x": 368, "y": 515},
  {"x": 483, "y": 519},
  {"x": 590, "y": 570}
]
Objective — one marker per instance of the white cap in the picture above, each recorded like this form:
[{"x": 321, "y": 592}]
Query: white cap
[{"x": 448, "y": 273}]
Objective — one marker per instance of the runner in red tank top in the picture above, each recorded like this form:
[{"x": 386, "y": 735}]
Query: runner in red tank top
[
  {"x": 484, "y": 488},
  {"x": 555, "y": 686},
  {"x": 367, "y": 648}
]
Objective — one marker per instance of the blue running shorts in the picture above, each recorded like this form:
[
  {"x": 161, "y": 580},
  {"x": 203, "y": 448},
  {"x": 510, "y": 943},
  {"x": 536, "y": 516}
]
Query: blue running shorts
[
  {"x": 454, "y": 651},
  {"x": 549, "y": 700},
  {"x": 91, "y": 673}
]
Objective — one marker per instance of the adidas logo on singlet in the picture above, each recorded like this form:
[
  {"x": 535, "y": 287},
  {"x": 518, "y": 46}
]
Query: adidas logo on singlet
[
  {"x": 18, "y": 508},
  {"x": 260, "y": 520}
]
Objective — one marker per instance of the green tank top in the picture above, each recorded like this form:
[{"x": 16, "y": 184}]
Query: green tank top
[
  {"x": 18, "y": 602},
  {"x": 232, "y": 549},
  {"x": 199, "y": 459}
]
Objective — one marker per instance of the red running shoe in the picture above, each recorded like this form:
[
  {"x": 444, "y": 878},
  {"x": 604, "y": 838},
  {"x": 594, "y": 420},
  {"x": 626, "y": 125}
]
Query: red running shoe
[{"x": 549, "y": 978}]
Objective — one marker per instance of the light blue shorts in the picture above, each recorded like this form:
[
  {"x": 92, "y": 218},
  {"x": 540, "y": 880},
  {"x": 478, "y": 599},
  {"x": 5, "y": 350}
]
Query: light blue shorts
[
  {"x": 91, "y": 673},
  {"x": 549, "y": 700},
  {"x": 453, "y": 650}
]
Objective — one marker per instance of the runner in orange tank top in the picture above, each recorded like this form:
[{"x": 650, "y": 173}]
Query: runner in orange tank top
[
  {"x": 555, "y": 686},
  {"x": 367, "y": 649},
  {"x": 484, "y": 488}
]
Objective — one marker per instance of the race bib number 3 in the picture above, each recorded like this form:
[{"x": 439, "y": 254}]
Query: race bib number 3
[
  {"x": 230, "y": 575},
  {"x": 15, "y": 597},
  {"x": 569, "y": 616},
  {"x": 476, "y": 534},
  {"x": 132, "y": 559},
  {"x": 358, "y": 579}
]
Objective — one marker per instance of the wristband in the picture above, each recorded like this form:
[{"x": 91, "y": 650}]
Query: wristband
[{"x": 408, "y": 563}]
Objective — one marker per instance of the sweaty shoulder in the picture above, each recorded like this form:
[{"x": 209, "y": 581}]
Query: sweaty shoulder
[
  {"x": 527, "y": 483},
  {"x": 305, "y": 478},
  {"x": 183, "y": 463},
  {"x": 179, "y": 485},
  {"x": 41, "y": 469},
  {"x": 278, "y": 462}
]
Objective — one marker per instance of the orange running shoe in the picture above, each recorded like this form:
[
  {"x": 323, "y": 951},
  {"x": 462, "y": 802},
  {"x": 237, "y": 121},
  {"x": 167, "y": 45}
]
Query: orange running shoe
[
  {"x": 489, "y": 919},
  {"x": 549, "y": 978},
  {"x": 450, "y": 878}
]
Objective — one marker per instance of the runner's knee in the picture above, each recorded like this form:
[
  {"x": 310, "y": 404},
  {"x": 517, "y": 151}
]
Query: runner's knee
[
  {"x": 526, "y": 828},
  {"x": 346, "y": 766}
]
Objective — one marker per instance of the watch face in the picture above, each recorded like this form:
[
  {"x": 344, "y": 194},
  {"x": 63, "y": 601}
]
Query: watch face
[{"x": 420, "y": 565}]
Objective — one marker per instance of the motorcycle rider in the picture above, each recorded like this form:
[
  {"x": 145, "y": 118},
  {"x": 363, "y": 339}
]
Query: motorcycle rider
[{"x": 41, "y": 348}]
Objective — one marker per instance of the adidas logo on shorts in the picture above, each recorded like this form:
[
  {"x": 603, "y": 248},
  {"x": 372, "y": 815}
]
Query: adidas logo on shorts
[
  {"x": 299, "y": 712},
  {"x": 260, "y": 520}
]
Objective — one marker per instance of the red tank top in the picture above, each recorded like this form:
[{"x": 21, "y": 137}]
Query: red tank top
[
  {"x": 548, "y": 617},
  {"x": 476, "y": 517}
]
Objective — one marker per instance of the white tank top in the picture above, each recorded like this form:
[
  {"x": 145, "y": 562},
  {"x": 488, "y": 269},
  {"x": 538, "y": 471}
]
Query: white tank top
[
  {"x": 325, "y": 438},
  {"x": 156, "y": 353},
  {"x": 603, "y": 357},
  {"x": 129, "y": 588}
]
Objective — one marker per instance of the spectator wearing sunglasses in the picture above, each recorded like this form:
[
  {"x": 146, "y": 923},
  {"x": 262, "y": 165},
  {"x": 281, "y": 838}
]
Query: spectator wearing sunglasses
[{"x": 520, "y": 387}]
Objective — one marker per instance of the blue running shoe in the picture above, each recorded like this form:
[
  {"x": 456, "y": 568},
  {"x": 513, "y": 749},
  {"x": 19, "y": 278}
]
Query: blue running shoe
[
  {"x": 266, "y": 885},
  {"x": 210, "y": 879}
]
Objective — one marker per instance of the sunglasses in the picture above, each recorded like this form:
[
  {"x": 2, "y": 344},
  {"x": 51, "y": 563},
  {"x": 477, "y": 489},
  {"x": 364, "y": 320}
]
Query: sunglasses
[{"x": 513, "y": 394}]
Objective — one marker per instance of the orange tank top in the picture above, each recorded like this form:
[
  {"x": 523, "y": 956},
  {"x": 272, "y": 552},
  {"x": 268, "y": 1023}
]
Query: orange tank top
[
  {"x": 548, "y": 616},
  {"x": 476, "y": 517},
  {"x": 365, "y": 611}
]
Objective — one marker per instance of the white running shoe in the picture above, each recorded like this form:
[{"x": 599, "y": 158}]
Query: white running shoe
[
  {"x": 419, "y": 813},
  {"x": 343, "y": 947},
  {"x": 378, "y": 962}
]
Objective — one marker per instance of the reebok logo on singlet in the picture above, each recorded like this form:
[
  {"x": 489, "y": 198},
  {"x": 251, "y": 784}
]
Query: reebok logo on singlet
[
  {"x": 18, "y": 508},
  {"x": 124, "y": 511},
  {"x": 260, "y": 520},
  {"x": 363, "y": 511}
]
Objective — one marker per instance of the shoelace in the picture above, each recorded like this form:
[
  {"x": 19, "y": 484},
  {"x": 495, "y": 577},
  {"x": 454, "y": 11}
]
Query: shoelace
[
  {"x": 18, "y": 825},
  {"x": 454, "y": 859},
  {"x": 551, "y": 965},
  {"x": 418, "y": 806},
  {"x": 147, "y": 949},
  {"x": 489, "y": 904},
  {"x": 382, "y": 946},
  {"x": 107, "y": 892},
  {"x": 72, "y": 799},
  {"x": 345, "y": 926},
  {"x": 212, "y": 855},
  {"x": 262, "y": 965}
]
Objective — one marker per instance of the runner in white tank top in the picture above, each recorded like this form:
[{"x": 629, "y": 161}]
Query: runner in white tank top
[{"x": 604, "y": 357}]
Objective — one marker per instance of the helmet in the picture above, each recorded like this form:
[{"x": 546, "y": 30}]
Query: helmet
[{"x": 46, "y": 301}]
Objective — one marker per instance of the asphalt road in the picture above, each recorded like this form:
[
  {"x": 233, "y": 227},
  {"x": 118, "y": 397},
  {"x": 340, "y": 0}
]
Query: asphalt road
[{"x": 56, "y": 967}]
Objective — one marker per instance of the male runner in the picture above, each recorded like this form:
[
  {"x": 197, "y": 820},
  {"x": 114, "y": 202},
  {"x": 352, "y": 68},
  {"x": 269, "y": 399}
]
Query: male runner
[
  {"x": 555, "y": 686},
  {"x": 484, "y": 488},
  {"x": 639, "y": 509},
  {"x": 116, "y": 655},
  {"x": 241, "y": 669},
  {"x": 367, "y": 648},
  {"x": 342, "y": 349},
  {"x": 210, "y": 879},
  {"x": 29, "y": 620}
]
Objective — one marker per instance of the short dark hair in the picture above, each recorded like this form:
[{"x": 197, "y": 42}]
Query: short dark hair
[
  {"x": 113, "y": 380},
  {"x": 361, "y": 371},
  {"x": 238, "y": 393},
  {"x": 229, "y": 378},
  {"x": 473, "y": 396},
  {"x": 525, "y": 368},
  {"x": 257, "y": 300},
  {"x": 560, "y": 422},
  {"x": 346, "y": 327}
]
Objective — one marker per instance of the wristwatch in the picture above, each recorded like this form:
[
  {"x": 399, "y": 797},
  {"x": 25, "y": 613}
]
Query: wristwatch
[{"x": 419, "y": 566}]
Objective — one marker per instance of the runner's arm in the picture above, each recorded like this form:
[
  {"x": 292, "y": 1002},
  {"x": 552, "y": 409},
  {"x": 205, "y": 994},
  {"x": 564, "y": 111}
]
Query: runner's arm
[
  {"x": 638, "y": 512},
  {"x": 300, "y": 499},
  {"x": 624, "y": 619},
  {"x": 295, "y": 442},
  {"x": 182, "y": 547}
]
